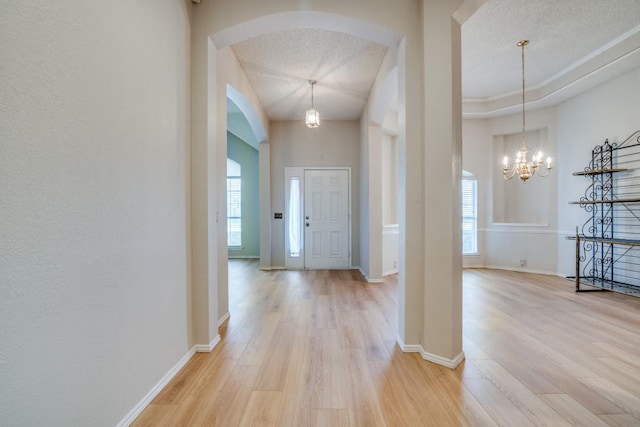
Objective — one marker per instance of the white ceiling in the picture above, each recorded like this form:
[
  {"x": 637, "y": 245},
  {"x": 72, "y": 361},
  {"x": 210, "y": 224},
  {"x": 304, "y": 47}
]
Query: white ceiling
[
  {"x": 571, "y": 40},
  {"x": 279, "y": 66}
]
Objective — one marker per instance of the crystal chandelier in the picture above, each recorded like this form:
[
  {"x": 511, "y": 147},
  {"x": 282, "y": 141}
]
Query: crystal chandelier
[
  {"x": 522, "y": 167},
  {"x": 312, "y": 119}
]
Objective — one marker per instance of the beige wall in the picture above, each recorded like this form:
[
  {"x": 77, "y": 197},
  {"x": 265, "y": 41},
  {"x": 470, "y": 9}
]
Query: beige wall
[
  {"x": 94, "y": 279},
  {"x": 334, "y": 143}
]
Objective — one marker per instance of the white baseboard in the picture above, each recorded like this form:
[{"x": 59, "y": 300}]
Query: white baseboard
[
  {"x": 443, "y": 361},
  {"x": 137, "y": 410},
  {"x": 272, "y": 268},
  {"x": 520, "y": 270},
  {"x": 390, "y": 272},
  {"x": 368, "y": 279},
  {"x": 206, "y": 348},
  {"x": 223, "y": 319}
]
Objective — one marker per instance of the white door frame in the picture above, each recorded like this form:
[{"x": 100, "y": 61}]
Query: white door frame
[{"x": 297, "y": 263}]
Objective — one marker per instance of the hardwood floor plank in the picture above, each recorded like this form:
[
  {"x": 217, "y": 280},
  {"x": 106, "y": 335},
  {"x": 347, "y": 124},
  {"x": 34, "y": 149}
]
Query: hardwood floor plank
[
  {"x": 538, "y": 411},
  {"x": 572, "y": 411},
  {"x": 331, "y": 417},
  {"x": 276, "y": 361},
  {"x": 154, "y": 415},
  {"x": 501, "y": 409},
  {"x": 622, "y": 420},
  {"x": 262, "y": 409},
  {"x": 615, "y": 394}
]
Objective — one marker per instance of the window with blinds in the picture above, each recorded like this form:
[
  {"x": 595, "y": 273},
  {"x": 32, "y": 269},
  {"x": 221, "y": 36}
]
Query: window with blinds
[
  {"x": 234, "y": 204},
  {"x": 469, "y": 214}
]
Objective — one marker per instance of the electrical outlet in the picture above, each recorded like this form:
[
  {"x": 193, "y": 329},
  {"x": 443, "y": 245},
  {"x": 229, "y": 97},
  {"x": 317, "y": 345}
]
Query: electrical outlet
[
  {"x": 395, "y": 264},
  {"x": 523, "y": 262}
]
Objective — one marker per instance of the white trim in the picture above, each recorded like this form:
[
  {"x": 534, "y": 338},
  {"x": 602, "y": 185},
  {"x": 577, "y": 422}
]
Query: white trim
[
  {"x": 434, "y": 358},
  {"x": 206, "y": 348},
  {"x": 146, "y": 400},
  {"x": 449, "y": 363},
  {"x": 520, "y": 270},
  {"x": 367, "y": 278},
  {"x": 243, "y": 256},
  {"x": 520, "y": 224},
  {"x": 391, "y": 229},
  {"x": 614, "y": 58},
  {"x": 224, "y": 319},
  {"x": 513, "y": 230}
]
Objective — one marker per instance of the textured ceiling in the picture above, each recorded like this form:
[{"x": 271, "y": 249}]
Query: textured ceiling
[
  {"x": 279, "y": 66},
  {"x": 563, "y": 34}
]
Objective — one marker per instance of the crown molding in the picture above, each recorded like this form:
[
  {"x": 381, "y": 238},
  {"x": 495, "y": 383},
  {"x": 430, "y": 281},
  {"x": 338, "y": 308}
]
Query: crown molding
[{"x": 611, "y": 60}]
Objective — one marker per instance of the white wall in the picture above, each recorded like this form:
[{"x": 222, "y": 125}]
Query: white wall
[
  {"x": 295, "y": 145},
  {"x": 574, "y": 127},
  {"x": 607, "y": 111},
  {"x": 503, "y": 244},
  {"x": 382, "y": 102},
  {"x": 94, "y": 288}
]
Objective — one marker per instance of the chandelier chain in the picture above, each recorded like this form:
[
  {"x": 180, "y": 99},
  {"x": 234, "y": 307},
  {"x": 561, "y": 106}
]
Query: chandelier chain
[{"x": 524, "y": 135}]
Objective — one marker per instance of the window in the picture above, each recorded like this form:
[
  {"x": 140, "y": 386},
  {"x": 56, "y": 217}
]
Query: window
[
  {"x": 234, "y": 204},
  {"x": 469, "y": 214},
  {"x": 294, "y": 217}
]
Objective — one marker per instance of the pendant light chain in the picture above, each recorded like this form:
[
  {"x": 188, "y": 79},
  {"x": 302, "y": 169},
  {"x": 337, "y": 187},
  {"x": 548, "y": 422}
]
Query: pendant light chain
[{"x": 524, "y": 135}]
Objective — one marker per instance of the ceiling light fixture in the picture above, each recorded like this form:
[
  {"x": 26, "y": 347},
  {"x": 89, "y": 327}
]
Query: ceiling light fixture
[
  {"x": 522, "y": 167},
  {"x": 312, "y": 119}
]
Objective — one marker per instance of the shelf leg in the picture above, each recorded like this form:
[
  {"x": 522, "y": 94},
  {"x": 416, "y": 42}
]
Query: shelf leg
[{"x": 577, "y": 261}]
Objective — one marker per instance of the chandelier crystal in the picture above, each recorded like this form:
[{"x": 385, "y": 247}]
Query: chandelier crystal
[
  {"x": 312, "y": 119},
  {"x": 522, "y": 167}
]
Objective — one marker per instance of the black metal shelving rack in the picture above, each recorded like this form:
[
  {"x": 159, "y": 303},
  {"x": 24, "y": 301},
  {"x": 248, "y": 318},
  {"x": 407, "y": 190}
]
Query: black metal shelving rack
[{"x": 608, "y": 246}]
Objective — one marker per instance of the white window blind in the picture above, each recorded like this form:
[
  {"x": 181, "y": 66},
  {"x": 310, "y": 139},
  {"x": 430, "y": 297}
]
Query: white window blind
[
  {"x": 234, "y": 204},
  {"x": 469, "y": 215}
]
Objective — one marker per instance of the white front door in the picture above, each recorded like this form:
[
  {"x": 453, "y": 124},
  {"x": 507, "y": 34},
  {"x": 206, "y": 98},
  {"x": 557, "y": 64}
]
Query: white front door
[{"x": 326, "y": 219}]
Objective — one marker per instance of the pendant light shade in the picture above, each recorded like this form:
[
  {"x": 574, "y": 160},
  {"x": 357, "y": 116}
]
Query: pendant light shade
[{"x": 312, "y": 119}]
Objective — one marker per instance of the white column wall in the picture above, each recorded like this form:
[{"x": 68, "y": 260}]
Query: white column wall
[{"x": 442, "y": 327}]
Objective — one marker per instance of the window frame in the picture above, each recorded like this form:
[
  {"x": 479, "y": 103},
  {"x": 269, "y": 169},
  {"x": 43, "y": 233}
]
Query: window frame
[
  {"x": 471, "y": 218},
  {"x": 235, "y": 219}
]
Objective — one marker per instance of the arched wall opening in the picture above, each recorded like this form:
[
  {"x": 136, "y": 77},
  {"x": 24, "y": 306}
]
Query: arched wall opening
[
  {"x": 219, "y": 47},
  {"x": 427, "y": 36},
  {"x": 245, "y": 133}
]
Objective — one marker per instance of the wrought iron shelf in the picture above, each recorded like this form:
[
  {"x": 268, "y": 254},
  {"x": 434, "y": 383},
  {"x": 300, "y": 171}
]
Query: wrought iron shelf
[
  {"x": 608, "y": 285},
  {"x": 626, "y": 242},
  {"x": 597, "y": 202},
  {"x": 599, "y": 171},
  {"x": 607, "y": 251}
]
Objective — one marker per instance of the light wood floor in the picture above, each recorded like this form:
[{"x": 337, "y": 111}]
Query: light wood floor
[{"x": 317, "y": 348}]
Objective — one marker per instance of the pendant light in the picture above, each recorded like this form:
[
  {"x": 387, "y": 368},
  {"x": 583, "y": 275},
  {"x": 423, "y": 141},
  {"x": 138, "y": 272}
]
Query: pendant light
[
  {"x": 312, "y": 119},
  {"x": 522, "y": 167}
]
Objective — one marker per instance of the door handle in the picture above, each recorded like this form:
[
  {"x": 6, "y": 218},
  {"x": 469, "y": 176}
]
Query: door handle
[{"x": 307, "y": 224}]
